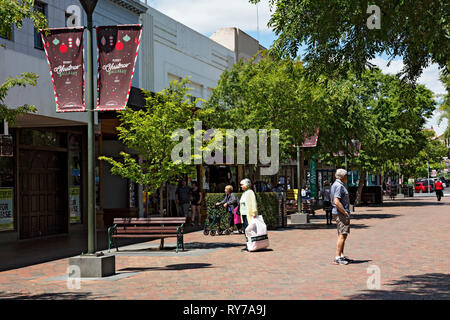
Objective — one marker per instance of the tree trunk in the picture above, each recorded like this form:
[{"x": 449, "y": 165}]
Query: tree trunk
[
  {"x": 161, "y": 200},
  {"x": 362, "y": 182}
]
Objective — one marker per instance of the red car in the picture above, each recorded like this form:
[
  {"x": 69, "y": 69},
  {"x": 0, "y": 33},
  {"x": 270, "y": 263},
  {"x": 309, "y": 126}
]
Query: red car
[{"x": 423, "y": 186}]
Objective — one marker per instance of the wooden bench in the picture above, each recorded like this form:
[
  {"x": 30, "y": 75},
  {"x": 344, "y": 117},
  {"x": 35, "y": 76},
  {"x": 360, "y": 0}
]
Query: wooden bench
[{"x": 151, "y": 228}]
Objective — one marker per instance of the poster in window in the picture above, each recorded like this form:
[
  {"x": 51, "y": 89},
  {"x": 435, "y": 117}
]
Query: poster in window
[
  {"x": 74, "y": 204},
  {"x": 6, "y": 208}
]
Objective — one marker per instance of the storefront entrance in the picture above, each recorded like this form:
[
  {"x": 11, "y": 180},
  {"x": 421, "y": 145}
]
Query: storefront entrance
[{"x": 43, "y": 194}]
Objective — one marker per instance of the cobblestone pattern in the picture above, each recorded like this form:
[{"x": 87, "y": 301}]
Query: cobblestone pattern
[{"x": 408, "y": 240}]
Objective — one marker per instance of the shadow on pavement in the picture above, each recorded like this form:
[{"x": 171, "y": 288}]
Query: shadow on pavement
[
  {"x": 402, "y": 203},
  {"x": 316, "y": 226},
  {"x": 23, "y": 253},
  {"x": 171, "y": 267},
  {"x": 212, "y": 245},
  {"x": 187, "y": 247},
  {"x": 373, "y": 216},
  {"x": 356, "y": 215},
  {"x": 359, "y": 261},
  {"x": 49, "y": 296},
  {"x": 427, "y": 286}
]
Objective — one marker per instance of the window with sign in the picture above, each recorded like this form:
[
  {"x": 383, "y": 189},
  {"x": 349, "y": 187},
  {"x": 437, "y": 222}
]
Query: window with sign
[{"x": 6, "y": 193}]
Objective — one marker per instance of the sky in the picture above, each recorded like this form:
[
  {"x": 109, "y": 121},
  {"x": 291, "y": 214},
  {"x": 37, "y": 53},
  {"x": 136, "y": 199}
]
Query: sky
[{"x": 207, "y": 16}]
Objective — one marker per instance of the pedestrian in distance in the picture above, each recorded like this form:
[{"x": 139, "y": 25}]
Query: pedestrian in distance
[
  {"x": 247, "y": 205},
  {"x": 183, "y": 197},
  {"x": 230, "y": 202},
  {"x": 340, "y": 202},
  {"x": 438, "y": 186},
  {"x": 196, "y": 203},
  {"x": 326, "y": 196},
  {"x": 173, "y": 206}
]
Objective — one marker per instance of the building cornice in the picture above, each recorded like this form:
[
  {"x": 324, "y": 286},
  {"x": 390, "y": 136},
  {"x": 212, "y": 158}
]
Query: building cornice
[{"x": 132, "y": 5}]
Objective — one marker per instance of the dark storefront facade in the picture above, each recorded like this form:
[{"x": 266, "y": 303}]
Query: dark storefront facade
[{"x": 42, "y": 184}]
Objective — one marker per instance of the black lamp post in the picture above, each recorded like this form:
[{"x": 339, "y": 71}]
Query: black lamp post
[{"x": 89, "y": 7}]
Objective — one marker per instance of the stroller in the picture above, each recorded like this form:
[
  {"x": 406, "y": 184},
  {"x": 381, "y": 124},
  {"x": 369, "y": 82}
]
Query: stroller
[{"x": 216, "y": 222}]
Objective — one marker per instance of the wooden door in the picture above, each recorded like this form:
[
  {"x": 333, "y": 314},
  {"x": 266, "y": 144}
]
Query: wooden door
[{"x": 43, "y": 193}]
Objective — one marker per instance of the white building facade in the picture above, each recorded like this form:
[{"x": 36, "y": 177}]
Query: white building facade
[{"x": 47, "y": 175}]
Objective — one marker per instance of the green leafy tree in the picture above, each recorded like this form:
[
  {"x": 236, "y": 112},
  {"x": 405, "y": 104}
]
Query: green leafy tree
[
  {"x": 12, "y": 13},
  {"x": 27, "y": 78},
  {"x": 445, "y": 106},
  {"x": 335, "y": 34},
  {"x": 148, "y": 132},
  {"x": 381, "y": 111},
  {"x": 265, "y": 93},
  {"x": 433, "y": 152}
]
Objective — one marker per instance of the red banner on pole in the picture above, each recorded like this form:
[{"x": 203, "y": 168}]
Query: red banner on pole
[
  {"x": 117, "y": 50},
  {"x": 64, "y": 49}
]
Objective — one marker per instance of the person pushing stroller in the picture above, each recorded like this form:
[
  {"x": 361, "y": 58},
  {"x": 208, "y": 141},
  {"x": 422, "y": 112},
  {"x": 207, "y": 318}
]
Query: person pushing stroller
[{"x": 230, "y": 202}]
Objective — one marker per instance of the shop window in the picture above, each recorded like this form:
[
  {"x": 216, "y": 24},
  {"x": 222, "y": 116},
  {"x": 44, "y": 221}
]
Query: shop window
[
  {"x": 30, "y": 137},
  {"x": 75, "y": 178},
  {"x": 6, "y": 193}
]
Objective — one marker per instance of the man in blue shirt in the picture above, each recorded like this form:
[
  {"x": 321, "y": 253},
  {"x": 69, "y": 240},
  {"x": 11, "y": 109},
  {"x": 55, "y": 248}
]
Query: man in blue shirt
[{"x": 340, "y": 202}]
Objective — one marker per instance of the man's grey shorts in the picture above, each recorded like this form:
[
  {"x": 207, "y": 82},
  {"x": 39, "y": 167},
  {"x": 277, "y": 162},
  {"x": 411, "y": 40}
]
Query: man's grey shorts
[{"x": 342, "y": 223}]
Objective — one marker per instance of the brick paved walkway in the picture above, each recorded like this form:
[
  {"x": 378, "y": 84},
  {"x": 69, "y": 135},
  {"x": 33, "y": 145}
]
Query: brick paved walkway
[{"x": 408, "y": 240}]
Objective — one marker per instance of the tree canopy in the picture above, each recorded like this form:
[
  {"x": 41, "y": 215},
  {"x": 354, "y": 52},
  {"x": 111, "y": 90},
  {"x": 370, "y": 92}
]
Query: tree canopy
[
  {"x": 267, "y": 93},
  {"x": 382, "y": 112},
  {"x": 148, "y": 132},
  {"x": 12, "y": 13},
  {"x": 336, "y": 35}
]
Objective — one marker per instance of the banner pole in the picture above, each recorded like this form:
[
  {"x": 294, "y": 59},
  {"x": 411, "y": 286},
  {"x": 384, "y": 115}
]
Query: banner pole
[
  {"x": 91, "y": 139},
  {"x": 299, "y": 185}
]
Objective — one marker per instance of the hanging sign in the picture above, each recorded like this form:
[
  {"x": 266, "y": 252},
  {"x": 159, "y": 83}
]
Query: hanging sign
[
  {"x": 117, "y": 50},
  {"x": 6, "y": 145},
  {"x": 64, "y": 51}
]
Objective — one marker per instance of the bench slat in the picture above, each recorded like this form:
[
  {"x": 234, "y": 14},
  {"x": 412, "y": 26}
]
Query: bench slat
[
  {"x": 148, "y": 223},
  {"x": 129, "y": 220},
  {"x": 145, "y": 228},
  {"x": 157, "y": 236},
  {"x": 146, "y": 231}
]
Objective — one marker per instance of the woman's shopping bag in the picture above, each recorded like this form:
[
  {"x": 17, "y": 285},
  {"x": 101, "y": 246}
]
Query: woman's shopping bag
[
  {"x": 256, "y": 234},
  {"x": 237, "y": 217}
]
